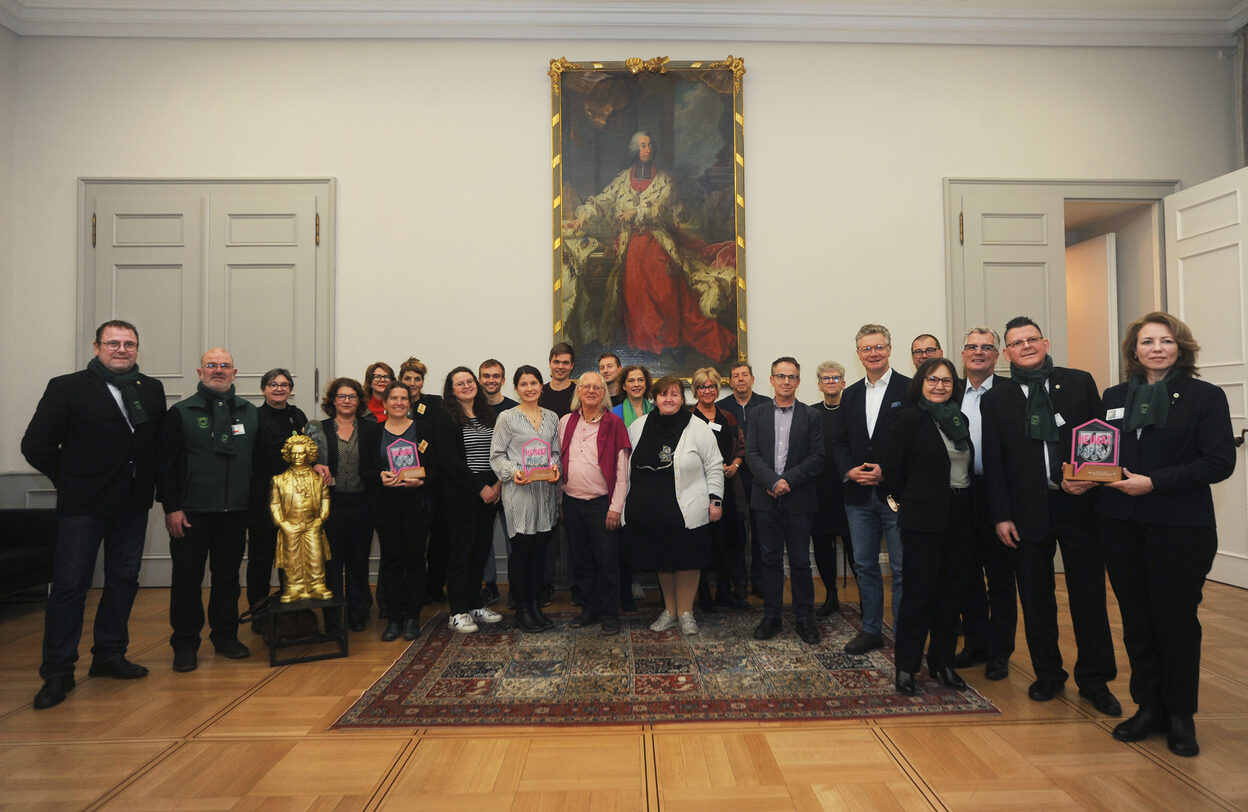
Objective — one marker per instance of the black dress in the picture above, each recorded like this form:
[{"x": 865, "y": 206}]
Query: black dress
[{"x": 655, "y": 532}]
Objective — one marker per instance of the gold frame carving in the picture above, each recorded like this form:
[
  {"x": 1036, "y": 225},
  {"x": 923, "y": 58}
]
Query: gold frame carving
[{"x": 594, "y": 107}]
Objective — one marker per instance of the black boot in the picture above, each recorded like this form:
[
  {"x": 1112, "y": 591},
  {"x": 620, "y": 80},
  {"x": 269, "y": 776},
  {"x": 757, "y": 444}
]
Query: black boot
[
  {"x": 536, "y": 608},
  {"x": 526, "y": 621},
  {"x": 1182, "y": 736},
  {"x": 705, "y": 602},
  {"x": 831, "y": 604}
]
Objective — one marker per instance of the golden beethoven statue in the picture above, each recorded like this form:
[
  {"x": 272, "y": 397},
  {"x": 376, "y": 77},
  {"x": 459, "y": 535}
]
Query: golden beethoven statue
[{"x": 299, "y": 502}]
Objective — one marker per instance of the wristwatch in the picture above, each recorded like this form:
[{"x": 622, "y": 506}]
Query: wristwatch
[{"x": 715, "y": 502}]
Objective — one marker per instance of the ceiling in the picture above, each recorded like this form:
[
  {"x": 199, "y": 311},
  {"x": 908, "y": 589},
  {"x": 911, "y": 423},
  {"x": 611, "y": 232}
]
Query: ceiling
[{"x": 1182, "y": 23}]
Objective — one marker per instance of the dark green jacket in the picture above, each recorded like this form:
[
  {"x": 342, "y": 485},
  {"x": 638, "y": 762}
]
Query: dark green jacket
[{"x": 190, "y": 474}]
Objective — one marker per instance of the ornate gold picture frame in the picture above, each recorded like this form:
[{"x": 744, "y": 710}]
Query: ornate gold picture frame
[{"x": 647, "y": 177}]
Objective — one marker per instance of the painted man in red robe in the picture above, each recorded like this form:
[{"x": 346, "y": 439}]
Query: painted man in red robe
[{"x": 673, "y": 284}]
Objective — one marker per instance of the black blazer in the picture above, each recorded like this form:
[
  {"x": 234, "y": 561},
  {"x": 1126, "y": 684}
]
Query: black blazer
[
  {"x": 461, "y": 488},
  {"x": 916, "y": 472},
  {"x": 368, "y": 443},
  {"x": 1014, "y": 462},
  {"x": 373, "y": 461},
  {"x": 802, "y": 466},
  {"x": 80, "y": 439},
  {"x": 1195, "y": 449},
  {"x": 851, "y": 446}
]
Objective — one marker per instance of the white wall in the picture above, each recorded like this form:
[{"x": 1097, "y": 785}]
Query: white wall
[
  {"x": 10, "y": 431},
  {"x": 442, "y": 154}
]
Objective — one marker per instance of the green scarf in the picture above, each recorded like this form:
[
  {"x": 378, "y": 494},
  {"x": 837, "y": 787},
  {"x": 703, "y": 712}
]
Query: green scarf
[
  {"x": 1148, "y": 404},
  {"x": 1041, "y": 423},
  {"x": 948, "y": 417},
  {"x": 222, "y": 430},
  {"x": 630, "y": 414},
  {"x": 128, "y": 383}
]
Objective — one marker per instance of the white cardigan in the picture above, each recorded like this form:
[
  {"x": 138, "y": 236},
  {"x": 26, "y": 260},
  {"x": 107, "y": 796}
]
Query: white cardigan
[{"x": 698, "y": 469}]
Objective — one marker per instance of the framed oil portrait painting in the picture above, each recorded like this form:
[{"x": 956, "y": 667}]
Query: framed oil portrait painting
[{"x": 649, "y": 212}]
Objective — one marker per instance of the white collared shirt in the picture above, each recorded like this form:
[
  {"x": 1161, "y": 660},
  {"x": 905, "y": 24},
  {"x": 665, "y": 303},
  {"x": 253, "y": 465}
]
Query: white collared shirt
[
  {"x": 1048, "y": 474},
  {"x": 970, "y": 407},
  {"x": 875, "y": 398}
]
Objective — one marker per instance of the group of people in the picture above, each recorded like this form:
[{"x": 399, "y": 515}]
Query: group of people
[{"x": 959, "y": 472}]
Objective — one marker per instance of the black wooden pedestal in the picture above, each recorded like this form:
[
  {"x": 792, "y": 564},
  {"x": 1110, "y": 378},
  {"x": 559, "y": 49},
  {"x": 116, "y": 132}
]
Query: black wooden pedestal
[{"x": 336, "y": 606}]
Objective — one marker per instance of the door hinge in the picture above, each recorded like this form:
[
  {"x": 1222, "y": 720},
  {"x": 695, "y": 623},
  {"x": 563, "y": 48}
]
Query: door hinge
[
  {"x": 318, "y": 228},
  {"x": 316, "y": 380},
  {"x": 92, "y": 229},
  {"x": 961, "y": 233}
]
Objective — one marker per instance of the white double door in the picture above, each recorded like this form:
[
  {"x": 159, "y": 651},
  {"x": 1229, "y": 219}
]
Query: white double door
[{"x": 194, "y": 265}]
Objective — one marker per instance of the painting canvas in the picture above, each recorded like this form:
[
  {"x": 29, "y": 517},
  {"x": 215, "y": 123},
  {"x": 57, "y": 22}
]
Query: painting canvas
[{"x": 648, "y": 169}]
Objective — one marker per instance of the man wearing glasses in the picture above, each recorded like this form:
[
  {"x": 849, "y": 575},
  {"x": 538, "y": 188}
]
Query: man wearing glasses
[
  {"x": 94, "y": 435},
  {"x": 924, "y": 348},
  {"x": 989, "y": 614},
  {"x": 868, "y": 409},
  {"x": 1027, "y": 424},
  {"x": 203, "y": 469},
  {"x": 784, "y": 450}
]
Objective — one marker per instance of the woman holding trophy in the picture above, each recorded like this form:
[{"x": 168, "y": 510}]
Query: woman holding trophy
[
  {"x": 525, "y": 457},
  {"x": 1157, "y": 523}
]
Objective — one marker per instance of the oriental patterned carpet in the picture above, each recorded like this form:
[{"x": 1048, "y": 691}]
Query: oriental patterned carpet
[{"x": 502, "y": 676}]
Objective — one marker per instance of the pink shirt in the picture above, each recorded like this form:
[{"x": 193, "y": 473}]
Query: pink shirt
[{"x": 580, "y": 459}]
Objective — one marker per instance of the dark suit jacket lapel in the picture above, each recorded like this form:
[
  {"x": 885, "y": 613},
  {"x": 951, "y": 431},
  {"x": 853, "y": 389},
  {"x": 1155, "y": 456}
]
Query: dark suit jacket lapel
[{"x": 110, "y": 410}]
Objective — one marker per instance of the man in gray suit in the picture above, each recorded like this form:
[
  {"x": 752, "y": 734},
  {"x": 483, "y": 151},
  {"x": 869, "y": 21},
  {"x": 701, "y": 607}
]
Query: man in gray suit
[{"x": 784, "y": 450}]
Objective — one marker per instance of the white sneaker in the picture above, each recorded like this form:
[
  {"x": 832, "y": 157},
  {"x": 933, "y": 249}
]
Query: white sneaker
[
  {"x": 665, "y": 622},
  {"x": 462, "y": 624},
  {"x": 486, "y": 615},
  {"x": 687, "y": 624},
  {"x": 639, "y": 594}
]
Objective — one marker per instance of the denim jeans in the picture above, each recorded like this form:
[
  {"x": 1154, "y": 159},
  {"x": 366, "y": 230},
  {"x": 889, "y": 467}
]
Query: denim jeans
[
  {"x": 77, "y": 545},
  {"x": 866, "y": 524}
]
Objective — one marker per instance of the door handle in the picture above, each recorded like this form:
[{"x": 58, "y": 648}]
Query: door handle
[{"x": 1239, "y": 441}]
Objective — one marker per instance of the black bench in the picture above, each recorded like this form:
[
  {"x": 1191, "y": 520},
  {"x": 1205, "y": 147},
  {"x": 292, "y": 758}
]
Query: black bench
[{"x": 27, "y": 541}]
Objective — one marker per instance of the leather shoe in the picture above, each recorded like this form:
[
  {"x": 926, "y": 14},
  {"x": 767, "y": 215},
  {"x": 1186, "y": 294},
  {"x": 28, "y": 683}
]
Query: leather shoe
[
  {"x": 411, "y": 628},
  {"x": 358, "y": 625},
  {"x": 1042, "y": 690},
  {"x": 120, "y": 668},
  {"x": 610, "y": 627},
  {"x": 863, "y": 642},
  {"x": 1102, "y": 700},
  {"x": 808, "y": 632},
  {"x": 185, "y": 660},
  {"x": 951, "y": 679},
  {"x": 392, "y": 631},
  {"x": 234, "y": 649},
  {"x": 968, "y": 657},
  {"x": 1145, "y": 721},
  {"x": 767, "y": 628},
  {"x": 904, "y": 683},
  {"x": 53, "y": 691},
  {"x": 998, "y": 668},
  {"x": 831, "y": 605},
  {"x": 1182, "y": 736},
  {"x": 586, "y": 619}
]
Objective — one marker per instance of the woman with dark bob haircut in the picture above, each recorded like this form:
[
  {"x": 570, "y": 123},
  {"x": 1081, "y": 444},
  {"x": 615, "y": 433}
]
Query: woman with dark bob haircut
[
  {"x": 347, "y": 433},
  {"x": 471, "y": 494},
  {"x": 928, "y": 473},
  {"x": 1157, "y": 523}
]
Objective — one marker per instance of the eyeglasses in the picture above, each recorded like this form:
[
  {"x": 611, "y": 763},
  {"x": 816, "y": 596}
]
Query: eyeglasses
[
  {"x": 938, "y": 381},
  {"x": 708, "y": 387},
  {"x": 1024, "y": 342},
  {"x": 224, "y": 366},
  {"x": 980, "y": 347},
  {"x": 277, "y": 385},
  {"x": 382, "y": 377},
  {"x": 346, "y": 397},
  {"x": 925, "y": 352},
  {"x": 113, "y": 346},
  {"x": 873, "y": 348},
  {"x": 831, "y": 379},
  {"x": 591, "y": 387},
  {"x": 779, "y": 376},
  {"x": 464, "y": 384}
]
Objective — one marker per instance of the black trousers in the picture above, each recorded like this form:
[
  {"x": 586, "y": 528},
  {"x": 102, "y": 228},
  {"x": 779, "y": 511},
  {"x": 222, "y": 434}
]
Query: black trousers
[
  {"x": 261, "y": 542},
  {"x": 1158, "y": 573},
  {"x": 1085, "y": 585},
  {"x": 471, "y": 542},
  {"x": 526, "y": 565},
  {"x": 350, "y": 534},
  {"x": 402, "y": 527},
  {"x": 595, "y": 554},
  {"x": 934, "y": 570},
  {"x": 78, "y": 541},
  {"x": 217, "y": 539},
  {"x": 780, "y": 530},
  {"x": 990, "y": 603}
]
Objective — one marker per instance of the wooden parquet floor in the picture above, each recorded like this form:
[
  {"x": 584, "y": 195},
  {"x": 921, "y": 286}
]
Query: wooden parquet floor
[{"x": 241, "y": 735}]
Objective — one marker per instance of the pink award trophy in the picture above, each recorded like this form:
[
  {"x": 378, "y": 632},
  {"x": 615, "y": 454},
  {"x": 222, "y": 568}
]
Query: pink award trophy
[
  {"x": 1093, "y": 453},
  {"x": 535, "y": 459},
  {"x": 405, "y": 460}
]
